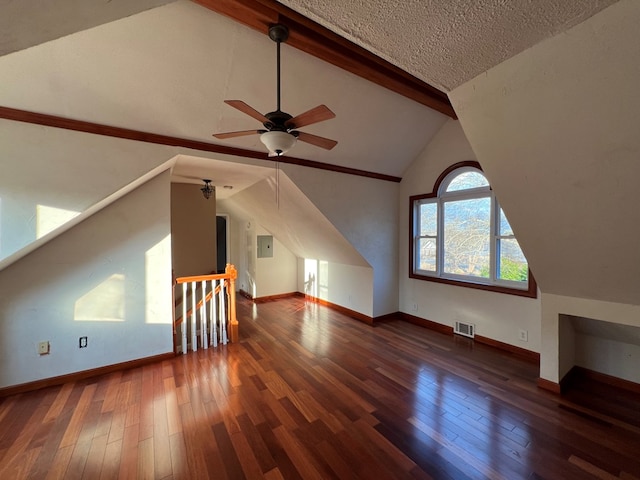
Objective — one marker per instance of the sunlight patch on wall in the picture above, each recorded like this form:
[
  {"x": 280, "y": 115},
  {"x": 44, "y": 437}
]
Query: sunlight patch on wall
[
  {"x": 104, "y": 303},
  {"x": 158, "y": 282},
  {"x": 50, "y": 218},
  {"x": 311, "y": 277},
  {"x": 253, "y": 288},
  {"x": 323, "y": 280}
]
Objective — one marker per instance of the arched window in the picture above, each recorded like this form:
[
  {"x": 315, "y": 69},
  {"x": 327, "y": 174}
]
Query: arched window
[{"x": 460, "y": 235}]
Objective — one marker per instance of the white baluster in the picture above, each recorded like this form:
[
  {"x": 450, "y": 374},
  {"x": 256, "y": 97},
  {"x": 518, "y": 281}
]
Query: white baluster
[
  {"x": 214, "y": 314},
  {"x": 223, "y": 315},
  {"x": 203, "y": 316},
  {"x": 183, "y": 327},
  {"x": 194, "y": 332}
]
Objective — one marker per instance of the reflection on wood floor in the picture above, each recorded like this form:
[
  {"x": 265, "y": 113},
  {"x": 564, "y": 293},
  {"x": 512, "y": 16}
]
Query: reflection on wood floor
[{"x": 310, "y": 393}]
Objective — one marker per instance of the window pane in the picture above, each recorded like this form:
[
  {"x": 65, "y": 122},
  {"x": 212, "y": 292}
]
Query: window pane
[
  {"x": 467, "y": 225},
  {"x": 505, "y": 227},
  {"x": 513, "y": 266},
  {"x": 467, "y": 180},
  {"x": 427, "y": 254},
  {"x": 428, "y": 219}
]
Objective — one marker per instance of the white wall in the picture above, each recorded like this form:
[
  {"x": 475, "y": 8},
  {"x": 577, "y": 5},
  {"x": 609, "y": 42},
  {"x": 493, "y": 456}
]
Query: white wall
[
  {"x": 497, "y": 316},
  {"x": 241, "y": 248},
  {"x": 107, "y": 278},
  {"x": 618, "y": 359},
  {"x": 275, "y": 275},
  {"x": 348, "y": 286}
]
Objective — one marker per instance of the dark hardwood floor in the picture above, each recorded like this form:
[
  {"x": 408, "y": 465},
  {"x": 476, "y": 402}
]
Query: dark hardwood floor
[{"x": 310, "y": 393}]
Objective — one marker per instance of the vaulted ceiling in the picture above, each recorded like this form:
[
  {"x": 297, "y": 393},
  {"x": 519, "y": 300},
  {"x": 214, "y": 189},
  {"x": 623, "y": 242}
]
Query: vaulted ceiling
[{"x": 166, "y": 67}]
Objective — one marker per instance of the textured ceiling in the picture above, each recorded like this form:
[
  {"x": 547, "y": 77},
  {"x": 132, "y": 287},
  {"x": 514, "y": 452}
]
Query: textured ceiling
[{"x": 443, "y": 42}]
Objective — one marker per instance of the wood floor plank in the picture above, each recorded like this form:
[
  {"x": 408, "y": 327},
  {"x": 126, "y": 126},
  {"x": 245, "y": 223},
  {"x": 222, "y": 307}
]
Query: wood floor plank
[
  {"x": 60, "y": 463},
  {"x": 13, "y": 457},
  {"x": 249, "y": 463},
  {"x": 129, "y": 459},
  {"x": 78, "y": 460},
  {"x": 299, "y": 457},
  {"x": 95, "y": 458},
  {"x": 22, "y": 465},
  {"x": 75, "y": 425},
  {"x": 174, "y": 423},
  {"x": 179, "y": 464},
  {"x": 146, "y": 467},
  {"x": 111, "y": 395},
  {"x": 111, "y": 461},
  {"x": 161, "y": 447},
  {"x": 61, "y": 399}
]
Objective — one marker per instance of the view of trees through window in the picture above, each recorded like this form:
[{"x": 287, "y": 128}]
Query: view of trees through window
[
  {"x": 467, "y": 239},
  {"x": 463, "y": 232}
]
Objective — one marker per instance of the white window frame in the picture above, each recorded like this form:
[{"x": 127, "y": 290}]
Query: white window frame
[{"x": 440, "y": 197}]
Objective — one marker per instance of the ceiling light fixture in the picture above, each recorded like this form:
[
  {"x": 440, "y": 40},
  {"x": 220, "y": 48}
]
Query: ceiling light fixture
[
  {"x": 208, "y": 189},
  {"x": 278, "y": 143}
]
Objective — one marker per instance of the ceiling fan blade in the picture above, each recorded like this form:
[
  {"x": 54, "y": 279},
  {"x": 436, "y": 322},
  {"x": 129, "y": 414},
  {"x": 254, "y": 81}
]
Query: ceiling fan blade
[
  {"x": 244, "y": 108},
  {"x": 321, "y": 142},
  {"x": 241, "y": 133},
  {"x": 315, "y": 115}
]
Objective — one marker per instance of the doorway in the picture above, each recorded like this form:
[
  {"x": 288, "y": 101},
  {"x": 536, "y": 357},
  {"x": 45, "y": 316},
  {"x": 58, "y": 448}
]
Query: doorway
[{"x": 222, "y": 242}]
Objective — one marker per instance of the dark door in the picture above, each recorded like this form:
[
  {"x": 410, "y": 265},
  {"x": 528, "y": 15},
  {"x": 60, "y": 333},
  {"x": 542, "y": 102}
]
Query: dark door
[{"x": 221, "y": 243}]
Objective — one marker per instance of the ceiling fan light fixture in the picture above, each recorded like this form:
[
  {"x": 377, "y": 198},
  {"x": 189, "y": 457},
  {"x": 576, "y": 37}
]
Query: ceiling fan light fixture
[{"x": 278, "y": 143}]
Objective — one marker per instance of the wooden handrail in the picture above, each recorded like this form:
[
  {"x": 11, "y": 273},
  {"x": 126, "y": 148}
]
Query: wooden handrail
[{"x": 205, "y": 278}]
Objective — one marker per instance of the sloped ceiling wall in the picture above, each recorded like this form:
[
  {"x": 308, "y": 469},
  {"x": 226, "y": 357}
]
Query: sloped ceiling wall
[
  {"x": 556, "y": 130},
  {"x": 291, "y": 217}
]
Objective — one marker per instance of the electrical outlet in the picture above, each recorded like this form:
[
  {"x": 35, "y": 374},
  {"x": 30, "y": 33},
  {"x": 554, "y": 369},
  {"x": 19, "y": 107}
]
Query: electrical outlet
[
  {"x": 83, "y": 342},
  {"x": 523, "y": 335},
  {"x": 43, "y": 348},
  {"x": 414, "y": 307}
]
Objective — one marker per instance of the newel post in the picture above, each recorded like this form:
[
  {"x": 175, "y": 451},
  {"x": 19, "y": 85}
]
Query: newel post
[{"x": 231, "y": 271}]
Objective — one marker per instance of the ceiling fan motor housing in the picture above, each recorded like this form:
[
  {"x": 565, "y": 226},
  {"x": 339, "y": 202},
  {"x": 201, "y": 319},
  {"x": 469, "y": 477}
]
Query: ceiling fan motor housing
[{"x": 277, "y": 121}]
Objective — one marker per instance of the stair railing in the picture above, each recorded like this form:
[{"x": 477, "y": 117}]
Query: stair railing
[{"x": 212, "y": 311}]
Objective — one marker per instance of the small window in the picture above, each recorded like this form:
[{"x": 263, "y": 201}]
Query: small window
[{"x": 460, "y": 235}]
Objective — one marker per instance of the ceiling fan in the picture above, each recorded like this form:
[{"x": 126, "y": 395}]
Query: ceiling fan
[{"x": 280, "y": 129}]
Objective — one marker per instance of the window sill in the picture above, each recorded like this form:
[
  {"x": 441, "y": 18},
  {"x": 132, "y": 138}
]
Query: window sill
[{"x": 531, "y": 292}]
